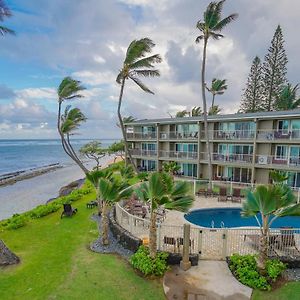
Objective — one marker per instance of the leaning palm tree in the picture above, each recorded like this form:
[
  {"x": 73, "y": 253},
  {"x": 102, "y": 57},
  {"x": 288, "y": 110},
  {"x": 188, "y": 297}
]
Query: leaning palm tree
[
  {"x": 111, "y": 191},
  {"x": 210, "y": 27},
  {"x": 271, "y": 202},
  {"x": 4, "y": 13},
  {"x": 162, "y": 191},
  {"x": 288, "y": 99},
  {"x": 68, "y": 122},
  {"x": 136, "y": 65},
  {"x": 217, "y": 87}
]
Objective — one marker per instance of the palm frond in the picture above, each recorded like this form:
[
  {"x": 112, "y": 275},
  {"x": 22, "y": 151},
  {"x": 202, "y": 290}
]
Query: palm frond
[
  {"x": 146, "y": 62},
  {"x": 119, "y": 78},
  {"x": 69, "y": 89},
  {"x": 223, "y": 23},
  {"x": 5, "y": 30},
  {"x": 141, "y": 85},
  {"x": 71, "y": 120},
  {"x": 216, "y": 36},
  {"x": 145, "y": 73}
]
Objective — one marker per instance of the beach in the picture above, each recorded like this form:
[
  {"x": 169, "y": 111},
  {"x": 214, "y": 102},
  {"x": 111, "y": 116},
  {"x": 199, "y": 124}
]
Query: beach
[{"x": 29, "y": 193}]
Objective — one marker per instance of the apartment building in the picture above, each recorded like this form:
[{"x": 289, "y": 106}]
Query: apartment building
[{"x": 244, "y": 147}]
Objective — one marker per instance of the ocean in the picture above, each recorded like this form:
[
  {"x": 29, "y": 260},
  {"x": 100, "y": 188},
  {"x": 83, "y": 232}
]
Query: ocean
[{"x": 23, "y": 155}]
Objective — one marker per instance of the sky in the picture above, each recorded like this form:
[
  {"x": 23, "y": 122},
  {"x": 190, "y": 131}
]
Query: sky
[{"x": 87, "y": 39}]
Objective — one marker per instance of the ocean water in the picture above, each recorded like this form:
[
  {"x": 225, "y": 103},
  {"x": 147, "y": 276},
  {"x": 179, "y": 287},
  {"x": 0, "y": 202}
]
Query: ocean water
[{"x": 17, "y": 155}]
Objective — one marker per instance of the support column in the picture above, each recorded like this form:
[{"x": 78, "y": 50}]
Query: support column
[
  {"x": 185, "y": 263},
  {"x": 254, "y": 152},
  {"x": 199, "y": 150}
]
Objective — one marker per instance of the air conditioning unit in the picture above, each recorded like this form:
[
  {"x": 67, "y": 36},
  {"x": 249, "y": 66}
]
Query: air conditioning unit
[
  {"x": 262, "y": 159},
  {"x": 163, "y": 135}
]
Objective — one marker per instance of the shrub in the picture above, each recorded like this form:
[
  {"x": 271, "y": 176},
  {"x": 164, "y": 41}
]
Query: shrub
[
  {"x": 15, "y": 222},
  {"x": 143, "y": 176},
  {"x": 274, "y": 268},
  {"x": 142, "y": 261},
  {"x": 44, "y": 210}
]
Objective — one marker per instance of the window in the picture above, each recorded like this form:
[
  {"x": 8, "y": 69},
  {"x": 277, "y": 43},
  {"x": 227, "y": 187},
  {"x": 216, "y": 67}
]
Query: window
[
  {"x": 149, "y": 165},
  {"x": 184, "y": 147},
  {"x": 281, "y": 152},
  {"x": 149, "y": 146},
  {"x": 189, "y": 170},
  {"x": 283, "y": 126}
]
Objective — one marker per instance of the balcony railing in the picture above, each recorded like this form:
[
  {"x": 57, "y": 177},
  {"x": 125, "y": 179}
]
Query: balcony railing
[
  {"x": 230, "y": 135},
  {"x": 141, "y": 152},
  {"x": 193, "y": 135},
  {"x": 236, "y": 158},
  {"x": 178, "y": 155},
  {"x": 278, "y": 134},
  {"x": 141, "y": 136},
  {"x": 292, "y": 161}
]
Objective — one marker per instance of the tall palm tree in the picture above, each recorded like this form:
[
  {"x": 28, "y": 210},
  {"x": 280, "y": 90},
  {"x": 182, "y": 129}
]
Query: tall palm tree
[
  {"x": 196, "y": 111},
  {"x": 218, "y": 87},
  {"x": 214, "y": 110},
  {"x": 128, "y": 119},
  {"x": 181, "y": 114},
  {"x": 136, "y": 64},
  {"x": 68, "y": 122},
  {"x": 162, "y": 191},
  {"x": 288, "y": 98},
  {"x": 210, "y": 27},
  {"x": 271, "y": 202},
  {"x": 4, "y": 13},
  {"x": 111, "y": 191}
]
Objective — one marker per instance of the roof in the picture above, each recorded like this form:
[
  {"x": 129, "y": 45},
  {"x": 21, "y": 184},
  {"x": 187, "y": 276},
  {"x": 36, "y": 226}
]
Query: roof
[{"x": 214, "y": 118}]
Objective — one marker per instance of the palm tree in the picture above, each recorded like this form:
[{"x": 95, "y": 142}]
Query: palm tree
[
  {"x": 71, "y": 119},
  {"x": 196, "y": 111},
  {"x": 181, "y": 114},
  {"x": 211, "y": 27},
  {"x": 4, "y": 13},
  {"x": 111, "y": 191},
  {"x": 136, "y": 65},
  {"x": 271, "y": 202},
  {"x": 288, "y": 99},
  {"x": 128, "y": 119},
  {"x": 214, "y": 110},
  {"x": 218, "y": 87},
  {"x": 171, "y": 168},
  {"x": 162, "y": 191}
]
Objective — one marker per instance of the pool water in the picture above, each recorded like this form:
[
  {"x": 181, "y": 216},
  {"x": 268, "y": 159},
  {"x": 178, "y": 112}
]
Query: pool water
[{"x": 231, "y": 217}]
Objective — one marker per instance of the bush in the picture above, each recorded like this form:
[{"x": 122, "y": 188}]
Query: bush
[
  {"x": 143, "y": 176},
  {"x": 244, "y": 267},
  {"x": 142, "y": 261},
  {"x": 44, "y": 210},
  {"x": 15, "y": 222}
]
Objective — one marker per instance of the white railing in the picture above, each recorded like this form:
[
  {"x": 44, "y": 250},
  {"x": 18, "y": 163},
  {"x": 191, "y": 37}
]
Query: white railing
[
  {"x": 189, "y": 135},
  {"x": 230, "y": 134},
  {"x": 178, "y": 155},
  {"x": 142, "y": 152},
  {"x": 141, "y": 135},
  {"x": 277, "y": 134},
  {"x": 293, "y": 161},
  {"x": 219, "y": 157}
]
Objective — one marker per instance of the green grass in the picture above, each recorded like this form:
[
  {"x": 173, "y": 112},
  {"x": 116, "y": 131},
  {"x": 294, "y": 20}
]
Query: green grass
[
  {"x": 57, "y": 264},
  {"x": 290, "y": 291}
]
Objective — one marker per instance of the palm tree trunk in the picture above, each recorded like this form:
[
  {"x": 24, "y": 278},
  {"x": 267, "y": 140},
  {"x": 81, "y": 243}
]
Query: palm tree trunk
[
  {"x": 205, "y": 114},
  {"x": 153, "y": 235},
  {"x": 104, "y": 224},
  {"x": 213, "y": 101},
  {"x": 263, "y": 245},
  {"x": 99, "y": 201},
  {"x": 127, "y": 153}
]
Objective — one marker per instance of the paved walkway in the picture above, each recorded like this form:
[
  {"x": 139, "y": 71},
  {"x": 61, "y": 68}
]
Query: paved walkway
[{"x": 210, "y": 280}]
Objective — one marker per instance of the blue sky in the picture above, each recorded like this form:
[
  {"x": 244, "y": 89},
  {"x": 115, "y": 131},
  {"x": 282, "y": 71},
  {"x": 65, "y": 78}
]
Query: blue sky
[{"x": 87, "y": 39}]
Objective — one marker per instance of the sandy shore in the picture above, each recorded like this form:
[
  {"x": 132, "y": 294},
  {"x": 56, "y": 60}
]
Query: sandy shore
[{"x": 27, "y": 194}]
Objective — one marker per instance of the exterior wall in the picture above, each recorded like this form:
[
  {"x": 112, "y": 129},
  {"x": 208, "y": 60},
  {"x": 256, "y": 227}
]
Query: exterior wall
[{"x": 262, "y": 176}]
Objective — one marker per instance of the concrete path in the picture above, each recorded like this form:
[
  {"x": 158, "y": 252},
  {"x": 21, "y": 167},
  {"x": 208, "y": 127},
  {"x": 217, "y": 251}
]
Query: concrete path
[{"x": 210, "y": 280}]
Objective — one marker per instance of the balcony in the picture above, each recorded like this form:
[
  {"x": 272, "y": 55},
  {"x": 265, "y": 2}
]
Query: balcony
[
  {"x": 141, "y": 136},
  {"x": 229, "y": 135},
  {"x": 228, "y": 158},
  {"x": 143, "y": 153},
  {"x": 291, "y": 162},
  {"x": 179, "y": 135},
  {"x": 282, "y": 135},
  {"x": 178, "y": 155}
]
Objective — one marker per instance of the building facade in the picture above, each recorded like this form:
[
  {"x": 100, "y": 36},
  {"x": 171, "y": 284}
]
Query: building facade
[{"x": 244, "y": 147}]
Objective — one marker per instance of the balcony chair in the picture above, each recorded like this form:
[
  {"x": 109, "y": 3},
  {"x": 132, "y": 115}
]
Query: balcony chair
[
  {"x": 236, "y": 196},
  {"x": 68, "y": 210},
  {"x": 223, "y": 197}
]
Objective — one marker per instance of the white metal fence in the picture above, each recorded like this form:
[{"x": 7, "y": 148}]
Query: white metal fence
[{"x": 213, "y": 243}]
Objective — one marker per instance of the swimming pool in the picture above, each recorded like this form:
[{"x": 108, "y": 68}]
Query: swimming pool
[{"x": 231, "y": 217}]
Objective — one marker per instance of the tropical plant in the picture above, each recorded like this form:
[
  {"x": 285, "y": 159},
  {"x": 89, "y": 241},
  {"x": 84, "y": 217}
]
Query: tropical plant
[
  {"x": 288, "y": 98},
  {"x": 118, "y": 149},
  {"x": 136, "y": 65},
  {"x": 171, "y": 167},
  {"x": 181, "y": 114},
  {"x": 210, "y": 27},
  {"x": 214, "y": 110},
  {"x": 127, "y": 172},
  {"x": 253, "y": 94},
  {"x": 111, "y": 191},
  {"x": 279, "y": 177},
  {"x": 143, "y": 176},
  {"x": 4, "y": 13},
  {"x": 128, "y": 119},
  {"x": 196, "y": 111},
  {"x": 71, "y": 119},
  {"x": 94, "y": 151},
  {"x": 274, "y": 70},
  {"x": 162, "y": 191},
  {"x": 218, "y": 87},
  {"x": 271, "y": 202}
]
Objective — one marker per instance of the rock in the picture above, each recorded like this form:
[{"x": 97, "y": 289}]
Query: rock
[
  {"x": 68, "y": 189},
  {"x": 6, "y": 256}
]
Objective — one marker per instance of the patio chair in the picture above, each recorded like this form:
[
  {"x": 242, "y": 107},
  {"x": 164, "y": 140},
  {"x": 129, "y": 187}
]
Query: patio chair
[
  {"x": 222, "y": 197},
  {"x": 201, "y": 191},
  {"x": 68, "y": 211},
  {"x": 170, "y": 241},
  {"x": 287, "y": 245},
  {"x": 236, "y": 196}
]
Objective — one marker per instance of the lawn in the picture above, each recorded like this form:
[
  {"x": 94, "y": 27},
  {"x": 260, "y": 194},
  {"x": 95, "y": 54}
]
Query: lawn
[
  {"x": 289, "y": 291},
  {"x": 56, "y": 263}
]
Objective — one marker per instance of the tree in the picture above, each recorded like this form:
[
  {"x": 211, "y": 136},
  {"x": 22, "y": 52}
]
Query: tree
[
  {"x": 4, "y": 13},
  {"x": 118, "y": 149},
  {"x": 110, "y": 191},
  {"x": 162, "y": 191},
  {"x": 274, "y": 70},
  {"x": 214, "y": 110},
  {"x": 210, "y": 27},
  {"x": 129, "y": 119},
  {"x": 196, "y": 111},
  {"x": 171, "y": 167},
  {"x": 218, "y": 87},
  {"x": 288, "y": 98},
  {"x": 70, "y": 121},
  {"x": 94, "y": 151},
  {"x": 136, "y": 65},
  {"x": 253, "y": 94},
  {"x": 271, "y": 202},
  {"x": 181, "y": 114}
]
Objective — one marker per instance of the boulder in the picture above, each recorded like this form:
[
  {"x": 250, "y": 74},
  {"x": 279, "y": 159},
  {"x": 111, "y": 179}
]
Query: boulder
[
  {"x": 68, "y": 189},
  {"x": 6, "y": 256}
]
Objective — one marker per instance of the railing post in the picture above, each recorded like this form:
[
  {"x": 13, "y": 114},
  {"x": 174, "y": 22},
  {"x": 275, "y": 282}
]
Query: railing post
[
  {"x": 230, "y": 187},
  {"x": 298, "y": 195},
  {"x": 185, "y": 263},
  {"x": 224, "y": 248},
  {"x": 158, "y": 241},
  {"x": 200, "y": 237},
  {"x": 194, "y": 187}
]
